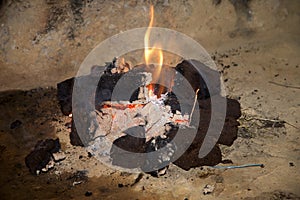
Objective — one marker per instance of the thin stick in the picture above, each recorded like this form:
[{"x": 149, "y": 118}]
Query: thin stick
[
  {"x": 292, "y": 125},
  {"x": 283, "y": 85},
  {"x": 272, "y": 120},
  {"x": 195, "y": 101},
  {"x": 238, "y": 166}
]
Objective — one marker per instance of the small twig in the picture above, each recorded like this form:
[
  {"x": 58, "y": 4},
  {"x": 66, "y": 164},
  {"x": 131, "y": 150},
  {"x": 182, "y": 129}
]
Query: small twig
[
  {"x": 269, "y": 120},
  {"x": 283, "y": 85},
  {"x": 272, "y": 120},
  {"x": 238, "y": 166},
  {"x": 195, "y": 101}
]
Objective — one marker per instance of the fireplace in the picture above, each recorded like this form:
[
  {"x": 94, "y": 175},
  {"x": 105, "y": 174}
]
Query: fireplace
[{"x": 151, "y": 118}]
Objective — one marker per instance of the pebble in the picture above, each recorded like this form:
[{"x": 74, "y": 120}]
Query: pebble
[
  {"x": 208, "y": 189},
  {"x": 50, "y": 165},
  {"x": 76, "y": 183},
  {"x": 15, "y": 124},
  {"x": 88, "y": 194},
  {"x": 59, "y": 156}
]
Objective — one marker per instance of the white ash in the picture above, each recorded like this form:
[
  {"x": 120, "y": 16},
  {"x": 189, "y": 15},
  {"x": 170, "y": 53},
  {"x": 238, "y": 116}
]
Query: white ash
[
  {"x": 115, "y": 119},
  {"x": 100, "y": 147},
  {"x": 156, "y": 116}
]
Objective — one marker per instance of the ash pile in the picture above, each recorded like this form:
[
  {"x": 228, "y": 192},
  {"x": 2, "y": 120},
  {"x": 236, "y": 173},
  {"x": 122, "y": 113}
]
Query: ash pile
[{"x": 130, "y": 121}]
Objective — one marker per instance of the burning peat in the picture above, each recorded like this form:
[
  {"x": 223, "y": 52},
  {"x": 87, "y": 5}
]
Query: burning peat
[{"x": 150, "y": 119}]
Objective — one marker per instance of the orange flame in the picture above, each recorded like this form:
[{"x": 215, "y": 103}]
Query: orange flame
[{"x": 154, "y": 54}]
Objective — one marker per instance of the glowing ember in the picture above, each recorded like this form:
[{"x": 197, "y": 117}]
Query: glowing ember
[
  {"x": 151, "y": 94},
  {"x": 117, "y": 119},
  {"x": 122, "y": 106}
]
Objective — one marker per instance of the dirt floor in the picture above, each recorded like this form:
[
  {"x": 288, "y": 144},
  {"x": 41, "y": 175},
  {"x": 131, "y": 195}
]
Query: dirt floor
[{"x": 256, "y": 49}]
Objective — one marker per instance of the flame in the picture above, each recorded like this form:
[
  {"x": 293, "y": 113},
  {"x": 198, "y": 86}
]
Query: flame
[
  {"x": 148, "y": 51},
  {"x": 154, "y": 54}
]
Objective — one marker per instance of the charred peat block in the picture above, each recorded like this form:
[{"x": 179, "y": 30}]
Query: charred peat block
[{"x": 43, "y": 151}]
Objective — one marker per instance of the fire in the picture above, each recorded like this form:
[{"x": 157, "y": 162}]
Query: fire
[
  {"x": 154, "y": 54},
  {"x": 122, "y": 106},
  {"x": 155, "y": 91}
]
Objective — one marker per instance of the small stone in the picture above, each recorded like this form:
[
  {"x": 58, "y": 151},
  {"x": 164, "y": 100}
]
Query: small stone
[
  {"x": 44, "y": 170},
  {"x": 76, "y": 183},
  {"x": 208, "y": 189},
  {"x": 50, "y": 165},
  {"x": 162, "y": 171},
  {"x": 59, "y": 156},
  {"x": 15, "y": 124},
  {"x": 88, "y": 194}
]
